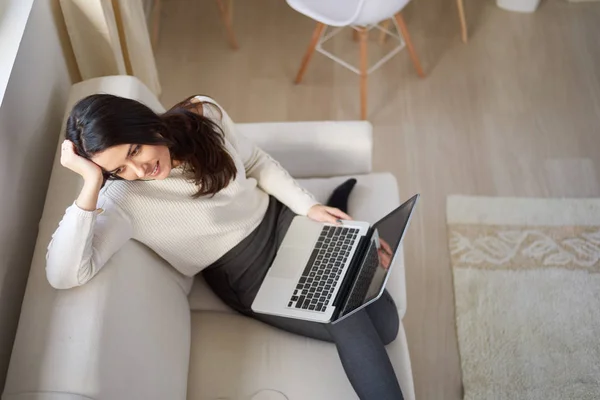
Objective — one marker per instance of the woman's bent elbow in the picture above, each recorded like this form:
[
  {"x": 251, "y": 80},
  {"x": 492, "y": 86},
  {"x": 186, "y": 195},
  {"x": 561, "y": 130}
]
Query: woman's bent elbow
[
  {"x": 59, "y": 279},
  {"x": 57, "y": 282}
]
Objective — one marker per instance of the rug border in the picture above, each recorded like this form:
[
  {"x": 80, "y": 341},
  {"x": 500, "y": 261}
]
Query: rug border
[{"x": 482, "y": 210}]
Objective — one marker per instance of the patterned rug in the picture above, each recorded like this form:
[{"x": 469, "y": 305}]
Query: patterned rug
[{"x": 527, "y": 290}]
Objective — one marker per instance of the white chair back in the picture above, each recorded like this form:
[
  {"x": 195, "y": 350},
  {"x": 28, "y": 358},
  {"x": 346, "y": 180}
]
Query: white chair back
[
  {"x": 375, "y": 11},
  {"x": 329, "y": 12},
  {"x": 348, "y": 12}
]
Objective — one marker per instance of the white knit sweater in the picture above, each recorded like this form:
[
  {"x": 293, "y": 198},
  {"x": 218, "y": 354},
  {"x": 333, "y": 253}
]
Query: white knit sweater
[{"x": 188, "y": 233}]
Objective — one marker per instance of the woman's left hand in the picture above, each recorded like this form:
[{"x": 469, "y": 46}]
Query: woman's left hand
[{"x": 321, "y": 213}]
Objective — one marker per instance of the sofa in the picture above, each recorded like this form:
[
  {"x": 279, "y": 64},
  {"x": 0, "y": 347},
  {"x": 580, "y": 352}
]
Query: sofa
[{"x": 140, "y": 330}]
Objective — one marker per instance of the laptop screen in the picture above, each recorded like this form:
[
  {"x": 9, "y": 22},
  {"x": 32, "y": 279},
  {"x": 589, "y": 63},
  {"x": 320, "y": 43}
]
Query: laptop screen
[{"x": 390, "y": 229}]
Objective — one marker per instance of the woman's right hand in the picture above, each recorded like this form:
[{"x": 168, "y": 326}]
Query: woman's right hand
[{"x": 90, "y": 172}]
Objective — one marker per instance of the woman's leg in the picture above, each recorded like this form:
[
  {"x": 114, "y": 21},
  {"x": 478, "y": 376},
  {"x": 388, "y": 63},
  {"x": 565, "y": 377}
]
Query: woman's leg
[
  {"x": 364, "y": 358},
  {"x": 339, "y": 196},
  {"x": 384, "y": 316},
  {"x": 360, "y": 346}
]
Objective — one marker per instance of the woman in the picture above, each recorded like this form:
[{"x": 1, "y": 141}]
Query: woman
[{"x": 206, "y": 200}]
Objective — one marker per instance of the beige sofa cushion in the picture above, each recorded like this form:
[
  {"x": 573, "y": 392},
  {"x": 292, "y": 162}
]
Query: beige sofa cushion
[{"x": 237, "y": 358}]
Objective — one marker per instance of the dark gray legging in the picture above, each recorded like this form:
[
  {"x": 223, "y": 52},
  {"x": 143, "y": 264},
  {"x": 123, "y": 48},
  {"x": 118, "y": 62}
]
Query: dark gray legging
[{"x": 360, "y": 338}]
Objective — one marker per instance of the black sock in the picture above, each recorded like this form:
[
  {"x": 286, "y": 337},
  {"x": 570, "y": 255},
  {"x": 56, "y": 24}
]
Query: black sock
[{"x": 339, "y": 197}]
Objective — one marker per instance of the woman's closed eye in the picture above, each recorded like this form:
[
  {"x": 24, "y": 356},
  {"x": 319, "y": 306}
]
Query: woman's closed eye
[{"x": 136, "y": 150}]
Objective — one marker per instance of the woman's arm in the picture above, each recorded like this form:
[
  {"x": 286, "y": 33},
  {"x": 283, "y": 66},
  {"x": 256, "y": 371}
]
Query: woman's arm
[
  {"x": 87, "y": 236},
  {"x": 269, "y": 174},
  {"x": 83, "y": 243}
]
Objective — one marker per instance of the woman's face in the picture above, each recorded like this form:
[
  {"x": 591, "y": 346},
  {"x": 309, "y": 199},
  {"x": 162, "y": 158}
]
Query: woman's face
[{"x": 136, "y": 161}]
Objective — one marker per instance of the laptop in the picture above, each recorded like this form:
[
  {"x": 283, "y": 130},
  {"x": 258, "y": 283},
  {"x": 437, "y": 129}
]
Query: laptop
[{"x": 326, "y": 272}]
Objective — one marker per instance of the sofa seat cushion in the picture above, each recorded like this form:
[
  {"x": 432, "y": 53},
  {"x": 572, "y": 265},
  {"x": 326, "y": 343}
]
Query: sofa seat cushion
[
  {"x": 373, "y": 197},
  {"x": 235, "y": 357}
]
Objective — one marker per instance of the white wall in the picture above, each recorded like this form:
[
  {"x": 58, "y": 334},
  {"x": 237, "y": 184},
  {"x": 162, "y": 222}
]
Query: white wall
[{"x": 30, "y": 120}]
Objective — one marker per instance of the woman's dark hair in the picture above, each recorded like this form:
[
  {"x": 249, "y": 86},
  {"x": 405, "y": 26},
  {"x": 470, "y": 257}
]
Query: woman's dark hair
[{"x": 100, "y": 121}]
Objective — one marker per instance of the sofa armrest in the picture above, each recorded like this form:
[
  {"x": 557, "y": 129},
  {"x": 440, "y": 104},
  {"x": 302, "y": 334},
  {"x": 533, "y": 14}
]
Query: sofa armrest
[
  {"x": 124, "y": 335},
  {"x": 119, "y": 85},
  {"x": 315, "y": 149},
  {"x": 44, "y": 396}
]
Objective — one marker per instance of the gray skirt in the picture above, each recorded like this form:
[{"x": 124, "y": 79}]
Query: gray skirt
[{"x": 237, "y": 275}]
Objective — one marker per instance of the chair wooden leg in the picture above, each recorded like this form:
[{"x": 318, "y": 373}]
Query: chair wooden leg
[
  {"x": 155, "y": 23},
  {"x": 363, "y": 73},
  {"x": 409, "y": 45},
  {"x": 355, "y": 35},
  {"x": 382, "y": 35},
  {"x": 309, "y": 52},
  {"x": 463, "y": 21},
  {"x": 226, "y": 15}
]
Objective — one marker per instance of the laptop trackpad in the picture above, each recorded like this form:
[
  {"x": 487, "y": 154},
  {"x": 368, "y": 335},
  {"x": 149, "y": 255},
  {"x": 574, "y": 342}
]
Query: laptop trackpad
[{"x": 289, "y": 263}]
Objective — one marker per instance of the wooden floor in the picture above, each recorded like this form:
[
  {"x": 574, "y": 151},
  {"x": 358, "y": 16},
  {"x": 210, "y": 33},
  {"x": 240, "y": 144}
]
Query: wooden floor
[{"x": 515, "y": 112}]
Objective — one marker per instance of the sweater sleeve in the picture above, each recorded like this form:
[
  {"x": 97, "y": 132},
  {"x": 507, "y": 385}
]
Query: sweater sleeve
[
  {"x": 83, "y": 243},
  {"x": 269, "y": 174}
]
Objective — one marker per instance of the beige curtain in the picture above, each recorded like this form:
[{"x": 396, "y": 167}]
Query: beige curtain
[{"x": 110, "y": 37}]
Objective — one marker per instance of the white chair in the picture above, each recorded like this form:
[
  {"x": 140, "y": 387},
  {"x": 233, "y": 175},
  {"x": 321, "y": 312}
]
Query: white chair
[{"x": 361, "y": 15}]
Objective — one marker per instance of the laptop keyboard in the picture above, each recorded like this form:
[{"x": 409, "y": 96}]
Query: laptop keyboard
[{"x": 316, "y": 286}]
